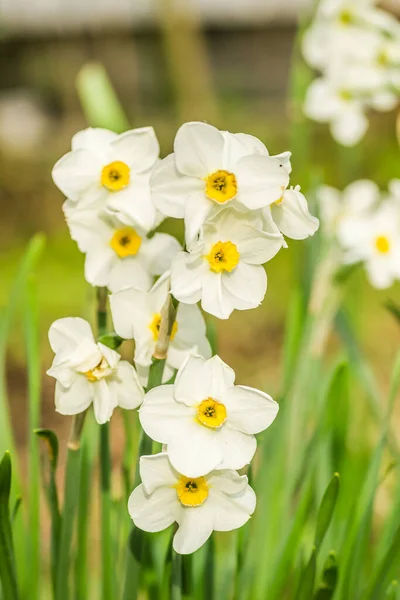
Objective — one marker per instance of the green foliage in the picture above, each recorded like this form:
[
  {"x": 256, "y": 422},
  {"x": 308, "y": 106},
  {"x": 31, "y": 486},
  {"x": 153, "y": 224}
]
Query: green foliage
[{"x": 8, "y": 576}]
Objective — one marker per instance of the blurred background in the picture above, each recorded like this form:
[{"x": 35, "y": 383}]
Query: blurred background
[{"x": 227, "y": 62}]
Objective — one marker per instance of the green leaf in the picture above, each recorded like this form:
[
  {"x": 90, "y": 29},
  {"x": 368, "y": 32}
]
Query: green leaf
[
  {"x": 15, "y": 510},
  {"x": 49, "y": 480},
  {"x": 385, "y": 570},
  {"x": 8, "y": 576},
  {"x": 393, "y": 591},
  {"x": 307, "y": 580},
  {"x": 111, "y": 340},
  {"x": 326, "y": 509},
  {"x": 99, "y": 100}
]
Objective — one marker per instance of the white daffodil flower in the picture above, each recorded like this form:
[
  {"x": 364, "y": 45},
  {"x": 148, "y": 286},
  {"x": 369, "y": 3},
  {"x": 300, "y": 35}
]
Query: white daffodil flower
[
  {"x": 331, "y": 101},
  {"x": 374, "y": 240},
  {"x": 111, "y": 171},
  {"x": 210, "y": 168},
  {"x": 218, "y": 501},
  {"x": 205, "y": 420},
  {"x": 223, "y": 267},
  {"x": 291, "y": 215},
  {"x": 356, "y": 201},
  {"x": 137, "y": 315},
  {"x": 87, "y": 372},
  {"x": 118, "y": 255}
]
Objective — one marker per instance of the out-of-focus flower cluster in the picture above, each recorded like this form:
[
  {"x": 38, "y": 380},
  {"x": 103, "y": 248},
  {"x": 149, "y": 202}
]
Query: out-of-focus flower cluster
[
  {"x": 356, "y": 48},
  {"x": 365, "y": 224}
]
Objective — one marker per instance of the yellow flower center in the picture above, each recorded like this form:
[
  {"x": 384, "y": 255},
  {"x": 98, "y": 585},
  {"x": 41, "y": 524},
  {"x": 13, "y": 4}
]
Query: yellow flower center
[
  {"x": 192, "y": 491},
  {"x": 346, "y": 17},
  {"x": 155, "y": 327},
  {"x": 223, "y": 256},
  {"x": 115, "y": 176},
  {"x": 221, "y": 186},
  {"x": 382, "y": 244},
  {"x": 101, "y": 371},
  {"x": 279, "y": 201},
  {"x": 383, "y": 59},
  {"x": 126, "y": 242},
  {"x": 211, "y": 413}
]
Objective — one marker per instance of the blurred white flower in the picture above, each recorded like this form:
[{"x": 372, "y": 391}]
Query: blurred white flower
[
  {"x": 112, "y": 171},
  {"x": 374, "y": 240},
  {"x": 219, "y": 501},
  {"x": 211, "y": 168},
  {"x": 137, "y": 315},
  {"x": 356, "y": 47},
  {"x": 87, "y": 372},
  {"x": 359, "y": 198},
  {"x": 118, "y": 255},
  {"x": 205, "y": 420},
  {"x": 223, "y": 267}
]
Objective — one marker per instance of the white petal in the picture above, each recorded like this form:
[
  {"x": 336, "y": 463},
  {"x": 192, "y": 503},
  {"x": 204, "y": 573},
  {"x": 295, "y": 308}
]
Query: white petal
[
  {"x": 98, "y": 265},
  {"x": 104, "y": 401},
  {"x": 195, "y": 450},
  {"x": 261, "y": 180},
  {"x": 66, "y": 334},
  {"x": 62, "y": 372},
  {"x": 258, "y": 247},
  {"x": 130, "y": 311},
  {"x": 75, "y": 399},
  {"x": 232, "y": 512},
  {"x": 361, "y": 196},
  {"x": 199, "y": 379},
  {"x": 321, "y": 103},
  {"x": 198, "y": 149},
  {"x": 186, "y": 279},
  {"x": 156, "y": 471},
  {"x": 197, "y": 209},
  {"x": 350, "y": 127},
  {"x": 85, "y": 227},
  {"x": 227, "y": 481},
  {"x": 170, "y": 189},
  {"x": 245, "y": 287},
  {"x": 134, "y": 205},
  {"x": 238, "y": 145},
  {"x": 159, "y": 252},
  {"x": 379, "y": 276},
  {"x": 131, "y": 271},
  {"x": 76, "y": 172},
  {"x": 213, "y": 299},
  {"x": 195, "y": 527},
  {"x": 129, "y": 391},
  {"x": 93, "y": 138},
  {"x": 292, "y": 216},
  {"x": 249, "y": 410},
  {"x": 161, "y": 416},
  {"x": 238, "y": 448},
  {"x": 153, "y": 512},
  {"x": 138, "y": 148}
]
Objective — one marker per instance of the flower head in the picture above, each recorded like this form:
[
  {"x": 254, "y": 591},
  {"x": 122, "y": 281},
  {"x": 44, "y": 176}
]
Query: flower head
[
  {"x": 205, "y": 420},
  {"x": 212, "y": 168},
  {"x": 111, "y": 171},
  {"x": 137, "y": 315},
  {"x": 223, "y": 267},
  {"x": 118, "y": 255},
  {"x": 87, "y": 372},
  {"x": 218, "y": 501},
  {"x": 291, "y": 215}
]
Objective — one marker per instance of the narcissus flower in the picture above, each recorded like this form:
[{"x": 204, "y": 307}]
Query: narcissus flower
[
  {"x": 357, "y": 200},
  {"x": 223, "y": 267},
  {"x": 111, "y": 171},
  {"x": 374, "y": 240},
  {"x": 118, "y": 255},
  {"x": 212, "y": 168},
  {"x": 137, "y": 315},
  {"x": 291, "y": 215},
  {"x": 205, "y": 420},
  {"x": 87, "y": 372},
  {"x": 218, "y": 501}
]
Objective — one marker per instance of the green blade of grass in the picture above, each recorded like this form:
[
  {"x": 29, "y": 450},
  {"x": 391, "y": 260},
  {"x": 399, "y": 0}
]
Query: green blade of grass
[
  {"x": 326, "y": 509},
  {"x": 8, "y": 575}
]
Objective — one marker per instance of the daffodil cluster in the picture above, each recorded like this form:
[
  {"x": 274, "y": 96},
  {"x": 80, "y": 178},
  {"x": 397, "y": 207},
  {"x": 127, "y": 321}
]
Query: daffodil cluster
[
  {"x": 366, "y": 225},
  {"x": 356, "y": 48},
  {"x": 237, "y": 206}
]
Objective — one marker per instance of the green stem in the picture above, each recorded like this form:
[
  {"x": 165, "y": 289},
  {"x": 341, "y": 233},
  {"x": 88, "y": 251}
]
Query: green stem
[{"x": 176, "y": 577}]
